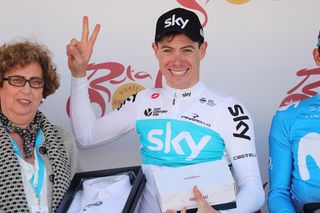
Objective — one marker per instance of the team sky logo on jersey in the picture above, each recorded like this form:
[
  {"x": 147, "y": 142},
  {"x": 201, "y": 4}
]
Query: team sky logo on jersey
[
  {"x": 131, "y": 99},
  {"x": 209, "y": 102},
  {"x": 186, "y": 94},
  {"x": 243, "y": 156},
  {"x": 175, "y": 142},
  {"x": 154, "y": 112},
  {"x": 195, "y": 118},
  {"x": 240, "y": 119}
]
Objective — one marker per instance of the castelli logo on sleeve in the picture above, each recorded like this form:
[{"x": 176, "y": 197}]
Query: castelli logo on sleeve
[
  {"x": 243, "y": 156},
  {"x": 176, "y": 21}
]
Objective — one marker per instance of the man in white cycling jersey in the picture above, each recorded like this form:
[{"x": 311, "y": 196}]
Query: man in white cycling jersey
[{"x": 181, "y": 124}]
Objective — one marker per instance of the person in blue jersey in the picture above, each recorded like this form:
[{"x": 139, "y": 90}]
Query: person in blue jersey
[
  {"x": 294, "y": 144},
  {"x": 181, "y": 124}
]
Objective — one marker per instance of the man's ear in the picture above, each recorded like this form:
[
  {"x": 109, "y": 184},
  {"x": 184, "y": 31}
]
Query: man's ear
[
  {"x": 316, "y": 56},
  {"x": 155, "y": 49},
  {"x": 203, "y": 49}
]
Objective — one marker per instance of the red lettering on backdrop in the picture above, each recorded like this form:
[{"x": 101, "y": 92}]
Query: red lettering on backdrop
[
  {"x": 306, "y": 91},
  {"x": 116, "y": 74}
]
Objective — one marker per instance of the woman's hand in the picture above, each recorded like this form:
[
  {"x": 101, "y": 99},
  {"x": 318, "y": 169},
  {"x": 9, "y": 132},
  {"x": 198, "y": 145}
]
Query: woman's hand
[
  {"x": 204, "y": 206},
  {"x": 79, "y": 52}
]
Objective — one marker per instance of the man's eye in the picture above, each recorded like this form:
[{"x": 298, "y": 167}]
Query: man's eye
[
  {"x": 187, "y": 50},
  {"x": 167, "y": 50}
]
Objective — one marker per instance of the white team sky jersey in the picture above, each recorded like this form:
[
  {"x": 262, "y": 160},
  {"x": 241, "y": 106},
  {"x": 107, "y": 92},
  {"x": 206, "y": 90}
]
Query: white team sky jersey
[{"x": 176, "y": 128}]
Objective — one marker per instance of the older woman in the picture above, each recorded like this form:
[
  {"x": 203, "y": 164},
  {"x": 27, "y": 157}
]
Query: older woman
[{"x": 37, "y": 158}]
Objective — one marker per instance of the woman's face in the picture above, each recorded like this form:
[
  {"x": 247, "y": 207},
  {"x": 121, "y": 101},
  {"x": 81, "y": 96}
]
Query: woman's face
[{"x": 20, "y": 104}]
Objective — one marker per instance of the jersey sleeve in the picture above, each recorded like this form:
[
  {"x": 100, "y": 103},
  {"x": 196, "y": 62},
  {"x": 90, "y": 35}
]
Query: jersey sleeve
[
  {"x": 279, "y": 199},
  {"x": 238, "y": 134},
  {"x": 91, "y": 130}
]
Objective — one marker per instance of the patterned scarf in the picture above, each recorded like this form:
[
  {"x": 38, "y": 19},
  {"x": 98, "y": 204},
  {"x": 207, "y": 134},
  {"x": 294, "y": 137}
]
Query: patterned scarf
[
  {"x": 28, "y": 134},
  {"x": 12, "y": 194}
]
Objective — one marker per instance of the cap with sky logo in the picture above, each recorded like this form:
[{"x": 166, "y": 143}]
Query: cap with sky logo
[{"x": 179, "y": 20}]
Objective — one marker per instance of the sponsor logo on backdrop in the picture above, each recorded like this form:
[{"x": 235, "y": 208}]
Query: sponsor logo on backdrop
[
  {"x": 131, "y": 99},
  {"x": 306, "y": 88},
  {"x": 238, "y": 1},
  {"x": 123, "y": 92}
]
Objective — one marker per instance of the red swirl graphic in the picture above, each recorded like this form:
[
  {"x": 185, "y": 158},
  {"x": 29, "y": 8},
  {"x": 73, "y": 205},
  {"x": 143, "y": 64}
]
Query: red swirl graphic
[{"x": 193, "y": 5}]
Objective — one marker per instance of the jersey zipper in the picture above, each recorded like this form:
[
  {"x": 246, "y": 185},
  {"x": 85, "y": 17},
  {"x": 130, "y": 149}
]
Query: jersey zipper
[{"x": 174, "y": 98}]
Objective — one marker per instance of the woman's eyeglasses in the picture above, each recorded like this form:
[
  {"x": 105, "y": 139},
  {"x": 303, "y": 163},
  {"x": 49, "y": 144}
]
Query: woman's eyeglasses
[{"x": 19, "y": 81}]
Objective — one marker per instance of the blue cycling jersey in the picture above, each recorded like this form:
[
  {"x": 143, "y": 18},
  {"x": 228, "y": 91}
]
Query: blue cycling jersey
[{"x": 295, "y": 156}]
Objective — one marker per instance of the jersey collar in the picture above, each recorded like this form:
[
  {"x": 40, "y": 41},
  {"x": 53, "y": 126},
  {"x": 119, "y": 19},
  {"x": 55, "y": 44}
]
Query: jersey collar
[{"x": 185, "y": 94}]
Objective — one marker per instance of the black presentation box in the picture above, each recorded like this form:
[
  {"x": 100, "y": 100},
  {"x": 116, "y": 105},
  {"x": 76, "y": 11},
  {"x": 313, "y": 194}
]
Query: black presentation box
[{"x": 137, "y": 179}]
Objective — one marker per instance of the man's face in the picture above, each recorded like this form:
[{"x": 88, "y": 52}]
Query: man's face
[
  {"x": 179, "y": 60},
  {"x": 316, "y": 56}
]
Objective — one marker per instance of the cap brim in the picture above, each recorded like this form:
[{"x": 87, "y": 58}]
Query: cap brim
[{"x": 192, "y": 36}]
